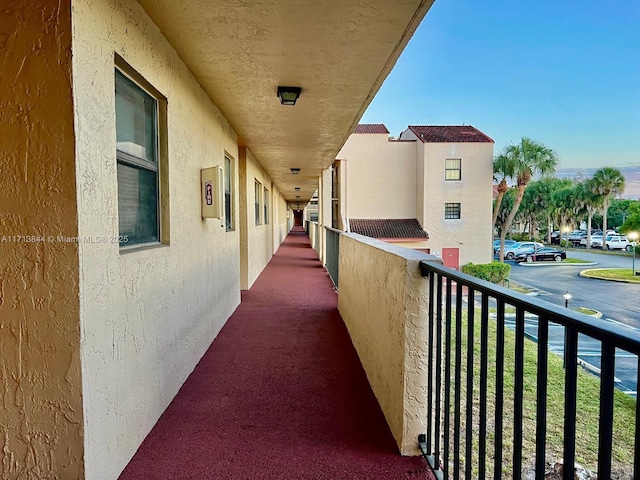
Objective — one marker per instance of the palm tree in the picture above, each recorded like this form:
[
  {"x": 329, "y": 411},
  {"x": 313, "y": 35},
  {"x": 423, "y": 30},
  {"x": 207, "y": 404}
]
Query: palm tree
[
  {"x": 503, "y": 169},
  {"x": 564, "y": 202},
  {"x": 537, "y": 202},
  {"x": 606, "y": 182},
  {"x": 528, "y": 158},
  {"x": 587, "y": 201}
]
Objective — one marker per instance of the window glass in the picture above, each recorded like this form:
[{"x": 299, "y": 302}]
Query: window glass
[
  {"x": 451, "y": 210},
  {"x": 137, "y": 204},
  {"x": 135, "y": 120},
  {"x": 137, "y": 163},
  {"x": 266, "y": 206},
  {"x": 228, "y": 197},
  {"x": 257, "y": 195},
  {"x": 453, "y": 170}
]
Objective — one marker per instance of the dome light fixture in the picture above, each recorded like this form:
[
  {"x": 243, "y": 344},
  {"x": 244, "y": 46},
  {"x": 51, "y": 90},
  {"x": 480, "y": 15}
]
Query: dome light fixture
[{"x": 288, "y": 95}]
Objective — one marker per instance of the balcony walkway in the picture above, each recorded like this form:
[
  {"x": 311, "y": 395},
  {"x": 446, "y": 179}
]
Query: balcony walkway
[{"x": 280, "y": 394}]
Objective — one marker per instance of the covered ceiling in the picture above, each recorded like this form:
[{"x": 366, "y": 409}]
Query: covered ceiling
[{"x": 338, "y": 51}]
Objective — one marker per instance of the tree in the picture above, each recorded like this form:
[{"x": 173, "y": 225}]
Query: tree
[
  {"x": 563, "y": 202},
  {"x": 588, "y": 202},
  {"x": 505, "y": 207},
  {"x": 537, "y": 202},
  {"x": 606, "y": 182},
  {"x": 503, "y": 169},
  {"x": 528, "y": 158},
  {"x": 632, "y": 222},
  {"x": 619, "y": 209}
]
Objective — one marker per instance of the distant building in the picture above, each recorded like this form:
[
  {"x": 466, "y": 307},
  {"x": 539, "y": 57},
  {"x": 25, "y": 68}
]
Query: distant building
[{"x": 428, "y": 189}]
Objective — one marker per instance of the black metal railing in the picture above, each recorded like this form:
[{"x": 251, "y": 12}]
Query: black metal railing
[
  {"x": 477, "y": 374},
  {"x": 332, "y": 253}
]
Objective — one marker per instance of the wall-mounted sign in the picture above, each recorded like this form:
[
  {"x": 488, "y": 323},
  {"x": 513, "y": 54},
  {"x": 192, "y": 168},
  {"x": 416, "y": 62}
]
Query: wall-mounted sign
[{"x": 211, "y": 191}]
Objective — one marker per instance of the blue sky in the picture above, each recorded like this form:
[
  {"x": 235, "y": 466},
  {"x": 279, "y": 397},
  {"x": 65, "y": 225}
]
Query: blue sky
[{"x": 563, "y": 72}]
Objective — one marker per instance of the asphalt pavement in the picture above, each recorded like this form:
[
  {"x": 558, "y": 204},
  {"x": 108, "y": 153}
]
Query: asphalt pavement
[{"x": 618, "y": 302}]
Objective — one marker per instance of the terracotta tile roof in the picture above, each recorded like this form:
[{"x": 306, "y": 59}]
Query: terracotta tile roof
[
  {"x": 371, "y": 128},
  {"x": 388, "y": 228},
  {"x": 449, "y": 134}
]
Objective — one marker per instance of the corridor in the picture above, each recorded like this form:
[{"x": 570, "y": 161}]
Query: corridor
[{"x": 280, "y": 394}]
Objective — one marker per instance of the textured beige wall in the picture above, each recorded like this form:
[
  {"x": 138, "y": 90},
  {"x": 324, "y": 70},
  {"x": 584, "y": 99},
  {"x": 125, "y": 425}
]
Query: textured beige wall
[
  {"x": 147, "y": 316},
  {"x": 260, "y": 239},
  {"x": 472, "y": 233},
  {"x": 41, "y": 421},
  {"x": 281, "y": 222},
  {"x": 380, "y": 177},
  {"x": 383, "y": 301}
]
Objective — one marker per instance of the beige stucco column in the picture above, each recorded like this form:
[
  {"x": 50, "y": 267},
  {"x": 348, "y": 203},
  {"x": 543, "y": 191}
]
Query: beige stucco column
[{"x": 41, "y": 398}]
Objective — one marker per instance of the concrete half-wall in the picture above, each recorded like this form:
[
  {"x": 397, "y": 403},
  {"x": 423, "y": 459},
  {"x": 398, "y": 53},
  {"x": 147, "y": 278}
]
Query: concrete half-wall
[
  {"x": 383, "y": 301},
  {"x": 147, "y": 316},
  {"x": 41, "y": 421}
]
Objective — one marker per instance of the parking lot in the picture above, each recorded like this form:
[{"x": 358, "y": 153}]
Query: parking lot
[{"x": 618, "y": 302}]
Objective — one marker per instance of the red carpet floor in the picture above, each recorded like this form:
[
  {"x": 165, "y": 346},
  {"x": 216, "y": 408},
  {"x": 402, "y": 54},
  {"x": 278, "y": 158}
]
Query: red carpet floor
[{"x": 280, "y": 394}]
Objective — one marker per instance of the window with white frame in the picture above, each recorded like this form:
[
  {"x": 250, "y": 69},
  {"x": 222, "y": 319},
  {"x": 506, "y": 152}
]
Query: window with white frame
[
  {"x": 258, "y": 196},
  {"x": 451, "y": 211},
  {"x": 266, "y": 206},
  {"x": 228, "y": 193},
  {"x": 453, "y": 169},
  {"x": 137, "y": 155}
]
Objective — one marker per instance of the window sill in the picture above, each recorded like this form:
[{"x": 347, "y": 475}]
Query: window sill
[{"x": 140, "y": 247}]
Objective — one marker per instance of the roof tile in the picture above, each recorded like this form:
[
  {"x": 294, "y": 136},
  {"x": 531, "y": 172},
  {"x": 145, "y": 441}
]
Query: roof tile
[
  {"x": 449, "y": 134},
  {"x": 371, "y": 128},
  {"x": 388, "y": 228}
]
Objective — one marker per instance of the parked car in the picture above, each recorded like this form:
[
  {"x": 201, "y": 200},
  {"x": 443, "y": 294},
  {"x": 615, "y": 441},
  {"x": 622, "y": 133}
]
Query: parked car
[
  {"x": 555, "y": 237},
  {"x": 496, "y": 245},
  {"x": 617, "y": 242},
  {"x": 596, "y": 241},
  {"x": 511, "y": 252},
  {"x": 575, "y": 236},
  {"x": 539, "y": 254},
  {"x": 597, "y": 234}
]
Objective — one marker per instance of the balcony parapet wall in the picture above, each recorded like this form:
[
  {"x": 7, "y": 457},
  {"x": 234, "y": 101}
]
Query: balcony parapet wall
[{"x": 383, "y": 301}]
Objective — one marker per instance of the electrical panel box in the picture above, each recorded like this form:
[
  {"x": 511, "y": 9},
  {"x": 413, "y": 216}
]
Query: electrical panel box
[{"x": 211, "y": 180}]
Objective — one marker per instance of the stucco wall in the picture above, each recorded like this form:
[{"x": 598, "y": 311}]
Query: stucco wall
[
  {"x": 281, "y": 222},
  {"x": 380, "y": 177},
  {"x": 41, "y": 421},
  {"x": 147, "y": 316},
  {"x": 472, "y": 233},
  {"x": 259, "y": 237},
  {"x": 383, "y": 302}
]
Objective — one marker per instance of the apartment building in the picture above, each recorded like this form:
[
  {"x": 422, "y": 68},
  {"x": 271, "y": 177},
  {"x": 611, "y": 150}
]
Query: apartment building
[
  {"x": 154, "y": 156},
  {"x": 428, "y": 189}
]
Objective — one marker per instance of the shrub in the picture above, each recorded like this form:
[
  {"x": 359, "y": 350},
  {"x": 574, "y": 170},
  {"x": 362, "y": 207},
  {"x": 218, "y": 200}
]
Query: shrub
[
  {"x": 521, "y": 237},
  {"x": 494, "y": 272}
]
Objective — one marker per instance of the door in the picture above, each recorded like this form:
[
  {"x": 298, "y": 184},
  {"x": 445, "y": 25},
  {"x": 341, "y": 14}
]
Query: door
[
  {"x": 297, "y": 216},
  {"x": 451, "y": 258}
]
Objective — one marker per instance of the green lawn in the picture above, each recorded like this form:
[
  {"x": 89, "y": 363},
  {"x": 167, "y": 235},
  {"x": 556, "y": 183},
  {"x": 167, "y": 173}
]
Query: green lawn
[
  {"x": 574, "y": 260},
  {"x": 587, "y": 407},
  {"x": 620, "y": 274}
]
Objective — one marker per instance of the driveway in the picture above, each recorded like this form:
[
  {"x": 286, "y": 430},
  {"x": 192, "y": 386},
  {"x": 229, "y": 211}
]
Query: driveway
[{"x": 618, "y": 301}]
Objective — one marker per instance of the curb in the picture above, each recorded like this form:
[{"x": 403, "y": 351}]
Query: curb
[
  {"x": 556, "y": 264},
  {"x": 582, "y": 274}
]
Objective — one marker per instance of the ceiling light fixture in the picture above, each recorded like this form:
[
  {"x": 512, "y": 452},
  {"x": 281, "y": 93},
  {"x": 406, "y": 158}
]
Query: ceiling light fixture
[
  {"x": 297, "y": 189},
  {"x": 288, "y": 95},
  {"x": 297, "y": 196},
  {"x": 295, "y": 171}
]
